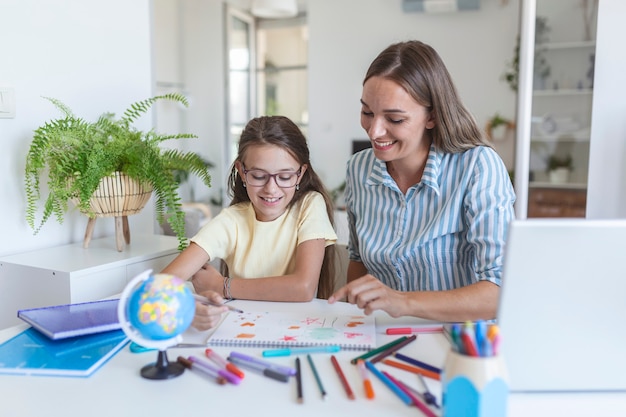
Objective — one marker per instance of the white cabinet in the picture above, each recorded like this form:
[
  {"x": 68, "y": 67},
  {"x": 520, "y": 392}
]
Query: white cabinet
[{"x": 71, "y": 274}]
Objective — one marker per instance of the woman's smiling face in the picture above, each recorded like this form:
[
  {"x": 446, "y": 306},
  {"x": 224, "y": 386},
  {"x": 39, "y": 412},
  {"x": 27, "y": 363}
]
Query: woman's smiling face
[{"x": 393, "y": 120}]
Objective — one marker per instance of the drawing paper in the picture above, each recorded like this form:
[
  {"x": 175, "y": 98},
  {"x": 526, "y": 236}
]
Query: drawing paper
[{"x": 284, "y": 329}]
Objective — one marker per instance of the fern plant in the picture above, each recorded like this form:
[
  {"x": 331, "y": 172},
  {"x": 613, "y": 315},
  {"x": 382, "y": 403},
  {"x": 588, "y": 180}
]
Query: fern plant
[{"x": 75, "y": 154}]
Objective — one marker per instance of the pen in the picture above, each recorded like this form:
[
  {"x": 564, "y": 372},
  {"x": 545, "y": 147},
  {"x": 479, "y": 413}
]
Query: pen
[
  {"x": 206, "y": 301},
  {"x": 189, "y": 365},
  {"x": 342, "y": 377},
  {"x": 418, "y": 403},
  {"x": 233, "y": 379},
  {"x": 414, "y": 369},
  {"x": 417, "y": 363},
  {"x": 317, "y": 377},
  {"x": 299, "y": 381},
  {"x": 393, "y": 387},
  {"x": 392, "y": 349},
  {"x": 409, "y": 330},
  {"x": 268, "y": 372},
  {"x": 376, "y": 351},
  {"x": 302, "y": 350},
  {"x": 367, "y": 384},
  {"x": 230, "y": 367},
  {"x": 428, "y": 396},
  {"x": 287, "y": 370}
]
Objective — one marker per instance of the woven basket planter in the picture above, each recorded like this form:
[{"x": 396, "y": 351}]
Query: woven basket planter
[{"x": 119, "y": 196}]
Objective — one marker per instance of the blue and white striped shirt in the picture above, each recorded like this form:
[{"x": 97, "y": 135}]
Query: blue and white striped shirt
[{"x": 448, "y": 231}]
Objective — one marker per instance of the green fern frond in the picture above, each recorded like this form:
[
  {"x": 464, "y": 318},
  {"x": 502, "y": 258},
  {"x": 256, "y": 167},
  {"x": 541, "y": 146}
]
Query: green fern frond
[{"x": 75, "y": 155}]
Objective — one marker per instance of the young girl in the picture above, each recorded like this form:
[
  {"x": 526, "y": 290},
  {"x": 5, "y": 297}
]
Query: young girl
[{"x": 277, "y": 235}]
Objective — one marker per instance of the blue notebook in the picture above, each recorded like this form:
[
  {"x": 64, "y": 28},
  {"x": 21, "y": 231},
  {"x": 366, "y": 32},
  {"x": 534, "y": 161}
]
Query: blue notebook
[
  {"x": 69, "y": 320},
  {"x": 32, "y": 353}
]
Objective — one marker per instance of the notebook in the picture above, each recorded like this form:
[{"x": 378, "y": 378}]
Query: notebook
[
  {"x": 279, "y": 329},
  {"x": 32, "y": 353},
  {"x": 563, "y": 305},
  {"x": 69, "y": 320}
]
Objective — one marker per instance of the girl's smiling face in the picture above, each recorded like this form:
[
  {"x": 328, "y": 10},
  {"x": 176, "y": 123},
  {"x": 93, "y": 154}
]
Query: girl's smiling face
[{"x": 270, "y": 201}]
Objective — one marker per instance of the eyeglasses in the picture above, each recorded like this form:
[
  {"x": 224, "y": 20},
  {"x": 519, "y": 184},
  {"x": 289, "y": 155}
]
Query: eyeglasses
[{"x": 284, "y": 179}]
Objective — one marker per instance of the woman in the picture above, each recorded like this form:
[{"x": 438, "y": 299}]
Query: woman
[{"x": 429, "y": 204}]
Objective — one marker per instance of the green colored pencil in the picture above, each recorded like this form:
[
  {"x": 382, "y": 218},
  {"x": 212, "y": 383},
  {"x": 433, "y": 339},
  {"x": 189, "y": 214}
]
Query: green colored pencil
[{"x": 378, "y": 350}]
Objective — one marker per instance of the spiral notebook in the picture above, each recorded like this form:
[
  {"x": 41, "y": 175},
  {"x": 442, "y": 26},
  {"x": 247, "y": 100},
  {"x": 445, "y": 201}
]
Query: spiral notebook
[{"x": 279, "y": 329}]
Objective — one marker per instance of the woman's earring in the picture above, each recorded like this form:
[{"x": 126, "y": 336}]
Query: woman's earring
[
  {"x": 244, "y": 185},
  {"x": 297, "y": 187}
]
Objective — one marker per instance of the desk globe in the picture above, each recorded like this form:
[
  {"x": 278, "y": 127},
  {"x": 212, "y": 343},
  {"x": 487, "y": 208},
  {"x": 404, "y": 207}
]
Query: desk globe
[{"x": 154, "y": 310}]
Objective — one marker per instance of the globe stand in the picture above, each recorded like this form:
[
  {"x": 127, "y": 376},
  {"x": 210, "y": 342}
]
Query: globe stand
[{"x": 162, "y": 368}]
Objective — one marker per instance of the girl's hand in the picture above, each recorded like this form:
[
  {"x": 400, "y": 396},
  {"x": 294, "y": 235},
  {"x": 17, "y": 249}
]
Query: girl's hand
[
  {"x": 206, "y": 316},
  {"x": 208, "y": 279}
]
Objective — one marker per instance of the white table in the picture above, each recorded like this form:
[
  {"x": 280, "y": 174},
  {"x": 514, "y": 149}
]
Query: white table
[{"x": 117, "y": 388}]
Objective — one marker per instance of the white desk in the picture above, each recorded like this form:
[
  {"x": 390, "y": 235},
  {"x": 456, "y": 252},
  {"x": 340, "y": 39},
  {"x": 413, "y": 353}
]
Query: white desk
[{"x": 117, "y": 388}]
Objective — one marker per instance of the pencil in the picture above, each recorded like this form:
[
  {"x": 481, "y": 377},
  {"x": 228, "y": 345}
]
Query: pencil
[
  {"x": 376, "y": 351},
  {"x": 392, "y": 349},
  {"x": 413, "y": 369},
  {"x": 300, "y": 398},
  {"x": 342, "y": 377},
  {"x": 317, "y": 376}
]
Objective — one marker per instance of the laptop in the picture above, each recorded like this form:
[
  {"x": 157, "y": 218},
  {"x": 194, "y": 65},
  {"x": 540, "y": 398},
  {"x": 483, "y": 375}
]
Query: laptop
[{"x": 562, "y": 312}]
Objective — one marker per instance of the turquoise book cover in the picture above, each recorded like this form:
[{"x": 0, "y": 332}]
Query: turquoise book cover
[{"x": 32, "y": 353}]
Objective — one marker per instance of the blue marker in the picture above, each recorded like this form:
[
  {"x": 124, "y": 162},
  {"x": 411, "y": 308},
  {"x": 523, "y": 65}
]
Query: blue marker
[
  {"x": 302, "y": 350},
  {"x": 480, "y": 330}
]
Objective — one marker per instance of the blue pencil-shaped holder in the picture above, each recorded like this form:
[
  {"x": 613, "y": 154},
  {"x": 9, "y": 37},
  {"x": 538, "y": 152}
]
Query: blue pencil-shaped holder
[{"x": 474, "y": 386}]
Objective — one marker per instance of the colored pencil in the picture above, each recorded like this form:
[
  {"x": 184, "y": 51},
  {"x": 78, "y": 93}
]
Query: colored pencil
[
  {"x": 317, "y": 377},
  {"x": 378, "y": 350},
  {"x": 413, "y": 369},
  {"x": 415, "y": 362},
  {"x": 342, "y": 377},
  {"x": 392, "y": 349},
  {"x": 300, "y": 398},
  {"x": 409, "y": 330}
]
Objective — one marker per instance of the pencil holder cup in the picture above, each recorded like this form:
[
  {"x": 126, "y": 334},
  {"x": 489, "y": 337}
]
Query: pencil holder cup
[{"x": 474, "y": 386}]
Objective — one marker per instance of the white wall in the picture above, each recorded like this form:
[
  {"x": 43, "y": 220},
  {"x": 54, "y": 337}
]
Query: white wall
[
  {"x": 92, "y": 55},
  {"x": 345, "y": 36},
  {"x": 606, "y": 192},
  {"x": 96, "y": 59}
]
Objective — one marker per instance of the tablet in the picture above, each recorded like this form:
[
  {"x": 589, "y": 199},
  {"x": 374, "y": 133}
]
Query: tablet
[{"x": 69, "y": 320}]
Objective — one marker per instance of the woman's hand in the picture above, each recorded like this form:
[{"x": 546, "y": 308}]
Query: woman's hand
[
  {"x": 206, "y": 316},
  {"x": 368, "y": 293}
]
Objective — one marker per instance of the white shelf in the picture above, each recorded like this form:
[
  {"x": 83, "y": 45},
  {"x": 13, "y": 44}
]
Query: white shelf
[
  {"x": 566, "y": 185},
  {"x": 563, "y": 92},
  {"x": 552, "y": 46}
]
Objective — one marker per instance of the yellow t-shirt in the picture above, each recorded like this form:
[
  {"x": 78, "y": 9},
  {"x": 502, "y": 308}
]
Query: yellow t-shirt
[{"x": 254, "y": 249}]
